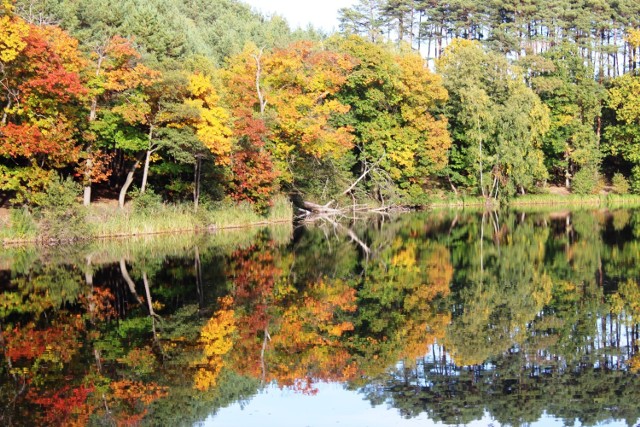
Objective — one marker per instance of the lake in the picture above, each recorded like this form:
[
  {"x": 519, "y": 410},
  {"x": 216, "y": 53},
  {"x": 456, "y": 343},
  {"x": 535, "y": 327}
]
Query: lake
[{"x": 436, "y": 318}]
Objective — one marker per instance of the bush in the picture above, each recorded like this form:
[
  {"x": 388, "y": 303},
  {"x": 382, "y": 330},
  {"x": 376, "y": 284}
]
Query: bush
[
  {"x": 585, "y": 181},
  {"x": 620, "y": 184},
  {"x": 22, "y": 223},
  {"x": 635, "y": 179},
  {"x": 62, "y": 217},
  {"x": 145, "y": 203}
]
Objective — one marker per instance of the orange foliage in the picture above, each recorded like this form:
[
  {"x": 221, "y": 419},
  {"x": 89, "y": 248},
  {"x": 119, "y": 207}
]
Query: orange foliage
[
  {"x": 95, "y": 167},
  {"x": 66, "y": 406},
  {"x": 298, "y": 84},
  {"x": 42, "y": 91},
  {"x": 135, "y": 392},
  {"x": 121, "y": 70},
  {"x": 308, "y": 344},
  {"x": 54, "y": 65},
  {"x": 58, "y": 342}
]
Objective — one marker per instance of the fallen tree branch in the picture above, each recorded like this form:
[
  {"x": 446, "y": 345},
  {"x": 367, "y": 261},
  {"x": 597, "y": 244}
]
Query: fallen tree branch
[{"x": 367, "y": 169}]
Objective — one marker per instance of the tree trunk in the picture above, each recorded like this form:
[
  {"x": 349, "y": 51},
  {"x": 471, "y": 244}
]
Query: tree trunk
[
  {"x": 198, "y": 270},
  {"x": 150, "y": 150},
  {"x": 86, "y": 199},
  {"x": 127, "y": 183},
  {"x": 147, "y": 291},
  {"x": 453, "y": 187},
  {"x": 128, "y": 280},
  {"x": 196, "y": 183},
  {"x": 480, "y": 161},
  {"x": 93, "y": 113},
  {"x": 145, "y": 172},
  {"x": 261, "y": 97},
  {"x": 3, "y": 122}
]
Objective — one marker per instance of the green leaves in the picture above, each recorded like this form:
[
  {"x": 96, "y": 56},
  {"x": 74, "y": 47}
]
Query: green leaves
[
  {"x": 623, "y": 137},
  {"x": 496, "y": 121}
]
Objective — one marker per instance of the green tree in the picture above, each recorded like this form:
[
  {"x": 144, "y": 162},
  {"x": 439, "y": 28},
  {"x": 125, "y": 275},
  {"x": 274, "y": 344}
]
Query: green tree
[
  {"x": 623, "y": 137},
  {"x": 496, "y": 122},
  {"x": 567, "y": 87}
]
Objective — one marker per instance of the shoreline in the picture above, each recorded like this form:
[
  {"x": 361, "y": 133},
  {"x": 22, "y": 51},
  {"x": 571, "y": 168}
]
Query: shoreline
[
  {"x": 9, "y": 242},
  {"x": 116, "y": 226},
  {"x": 542, "y": 200}
]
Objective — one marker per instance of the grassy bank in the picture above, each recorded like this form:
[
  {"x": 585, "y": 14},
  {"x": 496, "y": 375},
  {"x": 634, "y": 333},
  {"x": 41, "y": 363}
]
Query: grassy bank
[
  {"x": 554, "y": 199},
  {"x": 541, "y": 200},
  {"x": 463, "y": 202},
  {"x": 105, "y": 220},
  {"x": 603, "y": 200}
]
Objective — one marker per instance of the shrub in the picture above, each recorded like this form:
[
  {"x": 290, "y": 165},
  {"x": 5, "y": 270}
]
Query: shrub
[
  {"x": 620, "y": 184},
  {"x": 22, "y": 223},
  {"x": 585, "y": 181},
  {"x": 62, "y": 217},
  {"x": 145, "y": 203}
]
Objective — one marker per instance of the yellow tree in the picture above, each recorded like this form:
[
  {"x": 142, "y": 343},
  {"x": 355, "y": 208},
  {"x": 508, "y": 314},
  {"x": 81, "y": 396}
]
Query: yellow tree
[
  {"x": 292, "y": 91},
  {"x": 211, "y": 123}
]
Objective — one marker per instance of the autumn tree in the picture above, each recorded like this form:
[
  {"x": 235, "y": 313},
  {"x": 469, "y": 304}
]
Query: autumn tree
[
  {"x": 211, "y": 123},
  {"x": 400, "y": 143},
  {"x": 253, "y": 177},
  {"x": 115, "y": 72},
  {"x": 292, "y": 91},
  {"x": 41, "y": 96}
]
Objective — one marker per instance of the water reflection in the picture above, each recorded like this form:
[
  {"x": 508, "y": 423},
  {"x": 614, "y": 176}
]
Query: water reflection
[{"x": 456, "y": 316}]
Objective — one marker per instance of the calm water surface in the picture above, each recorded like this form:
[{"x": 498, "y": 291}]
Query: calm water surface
[{"x": 503, "y": 318}]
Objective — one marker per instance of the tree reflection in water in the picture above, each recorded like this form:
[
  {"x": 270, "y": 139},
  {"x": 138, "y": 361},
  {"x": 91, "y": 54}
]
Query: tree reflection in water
[{"x": 451, "y": 314}]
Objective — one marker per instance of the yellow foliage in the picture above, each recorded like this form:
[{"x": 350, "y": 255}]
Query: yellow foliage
[
  {"x": 634, "y": 363},
  {"x": 633, "y": 38},
  {"x": 207, "y": 378},
  {"x": 13, "y": 30},
  {"x": 217, "y": 340},
  {"x": 405, "y": 258},
  {"x": 454, "y": 48},
  {"x": 217, "y": 332},
  {"x": 213, "y": 126}
]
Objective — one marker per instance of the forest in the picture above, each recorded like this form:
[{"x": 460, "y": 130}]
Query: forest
[{"x": 207, "y": 104}]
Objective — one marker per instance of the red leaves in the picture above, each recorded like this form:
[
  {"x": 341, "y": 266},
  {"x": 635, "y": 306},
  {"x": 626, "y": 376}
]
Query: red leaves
[
  {"x": 21, "y": 140},
  {"x": 27, "y": 140},
  {"x": 29, "y": 343},
  {"x": 65, "y": 405},
  {"x": 53, "y": 66},
  {"x": 254, "y": 178},
  {"x": 43, "y": 93}
]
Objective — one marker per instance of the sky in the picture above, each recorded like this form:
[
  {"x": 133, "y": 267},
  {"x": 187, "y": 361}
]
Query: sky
[
  {"x": 299, "y": 13},
  {"x": 333, "y": 405}
]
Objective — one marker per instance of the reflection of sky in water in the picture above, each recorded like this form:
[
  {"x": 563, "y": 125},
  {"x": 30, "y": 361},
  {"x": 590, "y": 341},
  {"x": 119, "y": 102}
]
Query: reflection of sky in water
[{"x": 331, "y": 406}]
